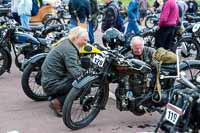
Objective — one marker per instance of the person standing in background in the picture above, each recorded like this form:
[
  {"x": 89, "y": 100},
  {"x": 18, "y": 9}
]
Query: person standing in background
[
  {"x": 183, "y": 7},
  {"x": 111, "y": 16},
  {"x": 169, "y": 18},
  {"x": 94, "y": 14},
  {"x": 143, "y": 6},
  {"x": 14, "y": 7},
  {"x": 24, "y": 11},
  {"x": 133, "y": 17},
  {"x": 79, "y": 11},
  {"x": 192, "y": 6}
]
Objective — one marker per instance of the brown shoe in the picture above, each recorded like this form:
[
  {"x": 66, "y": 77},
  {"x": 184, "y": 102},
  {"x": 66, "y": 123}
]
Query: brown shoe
[{"x": 55, "y": 105}]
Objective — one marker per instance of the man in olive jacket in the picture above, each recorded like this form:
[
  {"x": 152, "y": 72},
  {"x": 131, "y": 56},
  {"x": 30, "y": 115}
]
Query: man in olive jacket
[
  {"x": 62, "y": 66},
  {"x": 141, "y": 52}
]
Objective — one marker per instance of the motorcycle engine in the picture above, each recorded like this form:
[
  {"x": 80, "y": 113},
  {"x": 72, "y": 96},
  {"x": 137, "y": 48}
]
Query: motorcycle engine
[
  {"x": 140, "y": 83},
  {"x": 129, "y": 89}
]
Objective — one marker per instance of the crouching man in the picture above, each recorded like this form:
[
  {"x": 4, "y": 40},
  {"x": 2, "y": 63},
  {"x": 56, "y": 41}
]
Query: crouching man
[{"x": 62, "y": 66}]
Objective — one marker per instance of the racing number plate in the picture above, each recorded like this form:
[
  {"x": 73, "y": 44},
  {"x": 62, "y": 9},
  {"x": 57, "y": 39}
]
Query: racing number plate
[
  {"x": 173, "y": 113},
  {"x": 98, "y": 60}
]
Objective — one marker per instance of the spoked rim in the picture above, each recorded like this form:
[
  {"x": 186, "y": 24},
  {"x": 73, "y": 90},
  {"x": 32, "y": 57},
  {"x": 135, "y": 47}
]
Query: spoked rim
[
  {"x": 52, "y": 22},
  {"x": 84, "y": 106},
  {"x": 35, "y": 83},
  {"x": 192, "y": 74},
  {"x": 149, "y": 40},
  {"x": 150, "y": 22},
  {"x": 189, "y": 50}
]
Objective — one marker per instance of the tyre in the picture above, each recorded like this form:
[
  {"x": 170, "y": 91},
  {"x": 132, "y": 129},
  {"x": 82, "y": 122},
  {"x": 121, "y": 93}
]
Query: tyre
[
  {"x": 150, "y": 21},
  {"x": 46, "y": 17},
  {"x": 31, "y": 81},
  {"x": 4, "y": 61},
  {"x": 90, "y": 101},
  {"x": 149, "y": 39},
  {"x": 52, "y": 21},
  {"x": 190, "y": 48}
]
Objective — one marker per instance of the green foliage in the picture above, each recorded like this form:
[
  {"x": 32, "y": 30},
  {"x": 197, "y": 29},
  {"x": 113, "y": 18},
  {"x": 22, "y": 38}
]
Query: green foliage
[{"x": 125, "y": 2}]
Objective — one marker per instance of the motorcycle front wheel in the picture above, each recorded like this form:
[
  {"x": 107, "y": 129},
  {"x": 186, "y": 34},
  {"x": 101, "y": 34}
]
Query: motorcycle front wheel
[
  {"x": 4, "y": 61},
  {"x": 82, "y": 106},
  {"x": 150, "y": 21},
  {"x": 52, "y": 21}
]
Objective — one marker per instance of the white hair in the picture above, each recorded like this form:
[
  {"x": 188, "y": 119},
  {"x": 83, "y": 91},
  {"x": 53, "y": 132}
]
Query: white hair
[
  {"x": 77, "y": 32},
  {"x": 136, "y": 38}
]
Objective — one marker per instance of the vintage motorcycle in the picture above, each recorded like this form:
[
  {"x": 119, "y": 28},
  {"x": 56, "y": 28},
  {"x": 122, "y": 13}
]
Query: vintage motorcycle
[
  {"x": 23, "y": 42},
  {"x": 182, "y": 111},
  {"x": 90, "y": 92},
  {"x": 31, "y": 77}
]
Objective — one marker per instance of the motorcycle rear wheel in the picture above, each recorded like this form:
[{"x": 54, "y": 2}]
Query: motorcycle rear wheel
[
  {"x": 33, "y": 90},
  {"x": 88, "y": 104}
]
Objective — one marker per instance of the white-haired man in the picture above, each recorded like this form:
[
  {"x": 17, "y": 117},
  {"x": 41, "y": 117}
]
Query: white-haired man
[
  {"x": 139, "y": 51},
  {"x": 62, "y": 66}
]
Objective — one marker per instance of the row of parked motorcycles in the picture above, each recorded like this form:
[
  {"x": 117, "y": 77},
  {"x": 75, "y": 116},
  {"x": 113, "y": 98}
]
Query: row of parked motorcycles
[{"x": 178, "y": 104}]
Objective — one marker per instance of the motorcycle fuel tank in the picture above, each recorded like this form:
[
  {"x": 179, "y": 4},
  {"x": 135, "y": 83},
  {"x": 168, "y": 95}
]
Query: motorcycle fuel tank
[{"x": 20, "y": 37}]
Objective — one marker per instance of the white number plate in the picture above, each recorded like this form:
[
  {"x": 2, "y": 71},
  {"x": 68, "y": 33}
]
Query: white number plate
[
  {"x": 98, "y": 60},
  {"x": 172, "y": 113}
]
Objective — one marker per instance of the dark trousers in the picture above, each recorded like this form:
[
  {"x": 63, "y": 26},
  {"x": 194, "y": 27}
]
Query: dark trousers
[
  {"x": 59, "y": 89},
  {"x": 16, "y": 17},
  {"x": 165, "y": 37}
]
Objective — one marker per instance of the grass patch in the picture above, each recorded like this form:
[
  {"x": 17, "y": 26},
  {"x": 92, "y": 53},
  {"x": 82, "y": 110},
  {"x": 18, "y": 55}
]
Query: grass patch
[{"x": 125, "y": 2}]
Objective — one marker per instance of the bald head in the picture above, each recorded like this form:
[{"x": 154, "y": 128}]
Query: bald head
[
  {"x": 137, "y": 45},
  {"x": 107, "y": 1}
]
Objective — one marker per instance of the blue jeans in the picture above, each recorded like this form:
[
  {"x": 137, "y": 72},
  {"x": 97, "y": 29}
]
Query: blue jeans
[
  {"x": 73, "y": 23},
  {"x": 25, "y": 21},
  {"x": 91, "y": 32},
  {"x": 133, "y": 26}
]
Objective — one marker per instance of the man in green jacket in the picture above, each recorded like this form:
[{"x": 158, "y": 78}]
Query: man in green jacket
[
  {"x": 141, "y": 52},
  {"x": 62, "y": 66}
]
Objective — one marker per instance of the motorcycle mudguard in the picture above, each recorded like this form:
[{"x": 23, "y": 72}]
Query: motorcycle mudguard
[
  {"x": 80, "y": 83},
  {"x": 34, "y": 59},
  {"x": 9, "y": 58}
]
